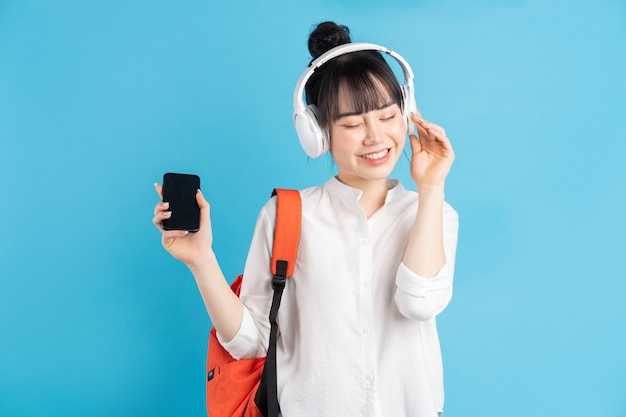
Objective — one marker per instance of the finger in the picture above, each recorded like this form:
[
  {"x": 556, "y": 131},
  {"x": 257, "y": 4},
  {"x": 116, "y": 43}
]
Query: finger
[
  {"x": 416, "y": 117},
  {"x": 433, "y": 132},
  {"x": 162, "y": 215},
  {"x": 159, "y": 190},
  {"x": 416, "y": 145},
  {"x": 162, "y": 206},
  {"x": 423, "y": 124},
  {"x": 168, "y": 238},
  {"x": 436, "y": 129},
  {"x": 420, "y": 121},
  {"x": 427, "y": 127},
  {"x": 159, "y": 217},
  {"x": 205, "y": 207},
  {"x": 170, "y": 235},
  {"x": 200, "y": 199},
  {"x": 438, "y": 133},
  {"x": 423, "y": 130}
]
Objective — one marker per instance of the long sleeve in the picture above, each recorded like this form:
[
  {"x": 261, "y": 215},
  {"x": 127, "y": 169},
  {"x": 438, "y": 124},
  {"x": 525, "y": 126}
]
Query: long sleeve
[
  {"x": 422, "y": 298},
  {"x": 256, "y": 294}
]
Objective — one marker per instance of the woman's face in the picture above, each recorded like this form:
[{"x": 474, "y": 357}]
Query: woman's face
[{"x": 366, "y": 146}]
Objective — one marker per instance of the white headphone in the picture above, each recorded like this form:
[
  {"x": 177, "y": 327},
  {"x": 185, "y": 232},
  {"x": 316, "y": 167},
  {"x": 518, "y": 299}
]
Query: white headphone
[{"x": 313, "y": 138}]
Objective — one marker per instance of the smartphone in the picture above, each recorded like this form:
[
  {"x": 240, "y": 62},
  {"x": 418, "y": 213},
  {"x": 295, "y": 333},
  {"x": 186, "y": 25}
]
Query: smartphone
[{"x": 180, "y": 191}]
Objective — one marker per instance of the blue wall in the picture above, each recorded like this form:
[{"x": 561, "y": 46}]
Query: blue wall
[{"x": 98, "y": 99}]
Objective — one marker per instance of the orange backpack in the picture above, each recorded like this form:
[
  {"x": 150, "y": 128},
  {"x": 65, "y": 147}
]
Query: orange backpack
[{"x": 247, "y": 387}]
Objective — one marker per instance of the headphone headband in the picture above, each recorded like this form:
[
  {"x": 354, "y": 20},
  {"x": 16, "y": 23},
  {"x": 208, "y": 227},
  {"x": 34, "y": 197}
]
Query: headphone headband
[
  {"x": 298, "y": 101},
  {"x": 312, "y": 139}
]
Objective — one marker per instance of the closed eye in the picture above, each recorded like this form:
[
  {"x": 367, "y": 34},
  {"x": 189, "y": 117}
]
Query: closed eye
[{"x": 351, "y": 122}]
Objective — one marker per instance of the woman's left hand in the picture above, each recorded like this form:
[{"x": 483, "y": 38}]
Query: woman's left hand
[{"x": 432, "y": 154}]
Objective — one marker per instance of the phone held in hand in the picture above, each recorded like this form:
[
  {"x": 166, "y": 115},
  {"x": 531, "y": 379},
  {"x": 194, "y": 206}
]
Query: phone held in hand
[{"x": 180, "y": 191}]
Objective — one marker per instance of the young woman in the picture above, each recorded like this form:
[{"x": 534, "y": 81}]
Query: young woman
[{"x": 375, "y": 262}]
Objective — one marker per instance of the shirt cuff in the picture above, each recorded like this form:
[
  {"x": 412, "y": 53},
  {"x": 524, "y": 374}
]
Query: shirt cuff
[
  {"x": 418, "y": 286},
  {"x": 244, "y": 344}
]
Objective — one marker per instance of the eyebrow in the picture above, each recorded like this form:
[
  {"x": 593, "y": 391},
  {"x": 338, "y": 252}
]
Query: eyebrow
[{"x": 356, "y": 113}]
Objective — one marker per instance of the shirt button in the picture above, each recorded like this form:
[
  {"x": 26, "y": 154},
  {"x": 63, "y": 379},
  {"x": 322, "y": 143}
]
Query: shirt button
[
  {"x": 364, "y": 242},
  {"x": 369, "y": 376},
  {"x": 366, "y": 284},
  {"x": 366, "y": 331}
]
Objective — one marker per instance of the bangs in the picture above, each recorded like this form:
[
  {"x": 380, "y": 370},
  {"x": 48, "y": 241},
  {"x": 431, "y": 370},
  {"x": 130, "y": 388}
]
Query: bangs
[
  {"x": 363, "y": 94},
  {"x": 364, "y": 76}
]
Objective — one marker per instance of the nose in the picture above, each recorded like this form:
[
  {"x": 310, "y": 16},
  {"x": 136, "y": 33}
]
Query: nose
[{"x": 373, "y": 131}]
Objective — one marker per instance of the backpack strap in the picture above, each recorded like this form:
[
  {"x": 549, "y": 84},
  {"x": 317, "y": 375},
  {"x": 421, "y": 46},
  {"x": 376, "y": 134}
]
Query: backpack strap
[
  {"x": 284, "y": 253},
  {"x": 287, "y": 232}
]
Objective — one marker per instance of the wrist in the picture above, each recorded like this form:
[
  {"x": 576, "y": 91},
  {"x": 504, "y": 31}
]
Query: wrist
[
  {"x": 431, "y": 192},
  {"x": 202, "y": 263}
]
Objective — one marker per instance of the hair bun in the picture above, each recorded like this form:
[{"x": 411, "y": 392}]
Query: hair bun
[{"x": 326, "y": 36}]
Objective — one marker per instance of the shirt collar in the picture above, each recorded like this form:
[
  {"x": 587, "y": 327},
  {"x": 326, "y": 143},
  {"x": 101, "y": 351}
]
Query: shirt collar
[{"x": 347, "y": 193}]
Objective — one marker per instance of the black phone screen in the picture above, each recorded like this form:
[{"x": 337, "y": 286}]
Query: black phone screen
[{"x": 180, "y": 191}]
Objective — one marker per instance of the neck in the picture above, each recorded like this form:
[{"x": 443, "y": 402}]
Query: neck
[{"x": 374, "y": 194}]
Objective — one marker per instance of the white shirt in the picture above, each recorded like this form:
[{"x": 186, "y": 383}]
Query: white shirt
[{"x": 357, "y": 332}]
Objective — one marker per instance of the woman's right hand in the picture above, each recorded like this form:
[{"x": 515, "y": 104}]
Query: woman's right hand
[{"x": 189, "y": 248}]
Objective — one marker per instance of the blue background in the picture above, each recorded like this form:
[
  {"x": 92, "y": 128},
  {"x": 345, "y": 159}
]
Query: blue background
[{"x": 99, "y": 99}]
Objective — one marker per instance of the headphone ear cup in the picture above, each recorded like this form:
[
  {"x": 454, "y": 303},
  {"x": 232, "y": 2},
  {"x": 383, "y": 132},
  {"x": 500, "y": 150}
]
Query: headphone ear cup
[
  {"x": 408, "y": 108},
  {"x": 313, "y": 139}
]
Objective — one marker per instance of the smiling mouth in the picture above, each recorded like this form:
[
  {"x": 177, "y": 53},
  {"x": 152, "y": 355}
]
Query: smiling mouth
[{"x": 375, "y": 155}]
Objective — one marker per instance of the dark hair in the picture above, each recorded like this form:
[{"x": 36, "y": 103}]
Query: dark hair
[{"x": 361, "y": 73}]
